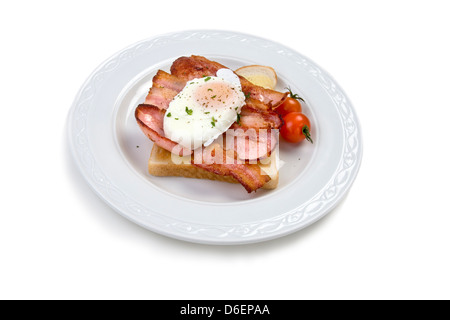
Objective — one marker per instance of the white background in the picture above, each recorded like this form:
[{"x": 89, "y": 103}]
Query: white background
[{"x": 388, "y": 239}]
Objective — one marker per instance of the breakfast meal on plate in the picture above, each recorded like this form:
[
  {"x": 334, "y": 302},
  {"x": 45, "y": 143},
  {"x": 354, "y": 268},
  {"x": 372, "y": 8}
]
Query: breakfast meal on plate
[{"x": 209, "y": 122}]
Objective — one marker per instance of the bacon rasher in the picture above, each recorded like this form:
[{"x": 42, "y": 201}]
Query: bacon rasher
[
  {"x": 248, "y": 175},
  {"x": 151, "y": 122}
]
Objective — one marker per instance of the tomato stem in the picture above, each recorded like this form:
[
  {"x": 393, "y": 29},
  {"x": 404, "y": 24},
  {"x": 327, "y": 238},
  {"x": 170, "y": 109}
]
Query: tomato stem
[
  {"x": 305, "y": 131},
  {"x": 294, "y": 95}
]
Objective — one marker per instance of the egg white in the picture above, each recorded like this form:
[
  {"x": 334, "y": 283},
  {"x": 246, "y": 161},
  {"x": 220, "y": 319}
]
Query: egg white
[{"x": 204, "y": 109}]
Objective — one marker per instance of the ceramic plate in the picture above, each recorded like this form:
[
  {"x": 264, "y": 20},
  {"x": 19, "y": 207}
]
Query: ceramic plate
[{"x": 112, "y": 153}]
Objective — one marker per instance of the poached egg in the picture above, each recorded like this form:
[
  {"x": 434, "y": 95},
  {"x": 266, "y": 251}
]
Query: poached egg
[{"x": 204, "y": 109}]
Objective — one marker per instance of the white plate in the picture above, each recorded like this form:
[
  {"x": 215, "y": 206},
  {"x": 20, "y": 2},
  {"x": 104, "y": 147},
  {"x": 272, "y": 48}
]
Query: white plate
[{"x": 112, "y": 152}]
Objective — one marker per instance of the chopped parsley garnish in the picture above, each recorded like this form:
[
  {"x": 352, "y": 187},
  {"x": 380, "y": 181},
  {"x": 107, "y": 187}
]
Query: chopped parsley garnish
[
  {"x": 213, "y": 96},
  {"x": 176, "y": 118},
  {"x": 207, "y": 79},
  {"x": 209, "y": 89},
  {"x": 238, "y": 120},
  {"x": 213, "y": 122},
  {"x": 207, "y": 112},
  {"x": 247, "y": 95},
  {"x": 169, "y": 115},
  {"x": 189, "y": 111}
]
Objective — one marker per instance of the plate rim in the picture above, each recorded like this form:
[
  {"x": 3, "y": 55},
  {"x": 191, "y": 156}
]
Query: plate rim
[{"x": 329, "y": 83}]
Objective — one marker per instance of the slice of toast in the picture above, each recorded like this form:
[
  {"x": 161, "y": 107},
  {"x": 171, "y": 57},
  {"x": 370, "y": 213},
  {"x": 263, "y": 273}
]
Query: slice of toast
[{"x": 161, "y": 164}]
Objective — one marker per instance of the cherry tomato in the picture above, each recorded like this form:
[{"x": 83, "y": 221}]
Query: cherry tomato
[
  {"x": 296, "y": 127},
  {"x": 289, "y": 105}
]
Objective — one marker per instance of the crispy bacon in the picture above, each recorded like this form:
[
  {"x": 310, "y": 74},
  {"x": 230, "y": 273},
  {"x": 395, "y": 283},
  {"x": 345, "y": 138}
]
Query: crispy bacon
[
  {"x": 252, "y": 144},
  {"x": 160, "y": 97},
  {"x": 165, "y": 87},
  {"x": 151, "y": 122},
  {"x": 267, "y": 96},
  {"x": 167, "y": 80},
  {"x": 188, "y": 68},
  {"x": 257, "y": 105},
  {"x": 257, "y": 119},
  {"x": 249, "y": 176}
]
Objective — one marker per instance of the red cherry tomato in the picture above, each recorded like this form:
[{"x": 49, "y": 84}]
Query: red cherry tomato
[
  {"x": 289, "y": 105},
  {"x": 296, "y": 127}
]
